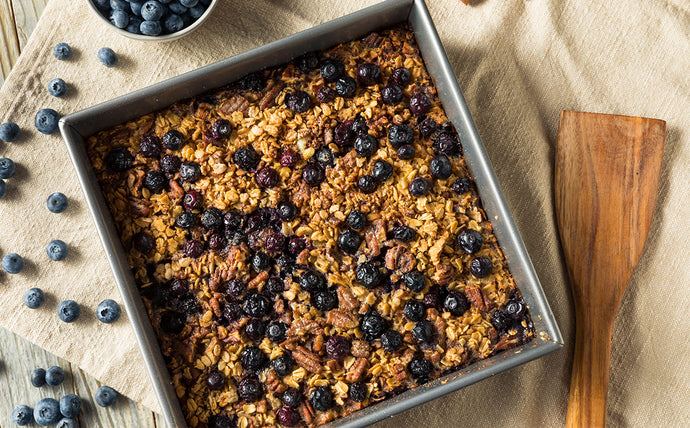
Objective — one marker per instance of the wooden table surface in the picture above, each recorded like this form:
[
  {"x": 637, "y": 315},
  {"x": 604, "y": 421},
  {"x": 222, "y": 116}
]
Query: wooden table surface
[{"x": 18, "y": 357}]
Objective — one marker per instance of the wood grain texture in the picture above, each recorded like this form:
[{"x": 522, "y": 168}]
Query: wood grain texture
[
  {"x": 606, "y": 182},
  {"x": 18, "y": 357}
]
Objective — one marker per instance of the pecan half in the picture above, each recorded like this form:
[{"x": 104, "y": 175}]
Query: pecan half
[
  {"x": 257, "y": 280},
  {"x": 478, "y": 298},
  {"x": 507, "y": 343},
  {"x": 302, "y": 327},
  {"x": 344, "y": 320},
  {"x": 306, "y": 359},
  {"x": 236, "y": 103},
  {"x": 273, "y": 89},
  {"x": 347, "y": 300},
  {"x": 375, "y": 235},
  {"x": 138, "y": 206},
  {"x": 357, "y": 370},
  {"x": 443, "y": 274},
  {"x": 399, "y": 257}
]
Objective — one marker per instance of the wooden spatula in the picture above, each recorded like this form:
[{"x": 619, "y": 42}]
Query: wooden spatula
[{"x": 607, "y": 175}]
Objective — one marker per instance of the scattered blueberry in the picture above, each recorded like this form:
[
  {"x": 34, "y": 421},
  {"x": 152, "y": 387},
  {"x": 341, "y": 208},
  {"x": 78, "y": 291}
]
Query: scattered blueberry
[
  {"x": 261, "y": 261},
  {"x": 404, "y": 233},
  {"x": 221, "y": 421},
  {"x": 34, "y": 298},
  {"x": 7, "y": 168},
  {"x": 500, "y": 321},
  {"x": 326, "y": 94},
  {"x": 9, "y": 131},
  {"x": 470, "y": 241},
  {"x": 253, "y": 358},
  {"x": 267, "y": 177},
  {"x": 105, "y": 396},
  {"x": 288, "y": 416},
  {"x": 368, "y": 274},
  {"x": 275, "y": 332},
  {"x": 382, "y": 170},
  {"x": 423, "y": 331},
  {"x": 70, "y": 405},
  {"x": 68, "y": 310},
  {"x": 515, "y": 309},
  {"x": 57, "y": 250},
  {"x": 313, "y": 174},
  {"x": 420, "y": 369},
  {"x": 3, "y": 188},
  {"x": 321, "y": 398},
  {"x": 288, "y": 158},
  {"x": 249, "y": 389},
  {"x": 324, "y": 156},
  {"x": 246, "y": 158},
  {"x": 66, "y": 423},
  {"x": 193, "y": 248},
  {"x": 13, "y": 263},
  {"x": 292, "y": 397},
  {"x": 22, "y": 415},
  {"x": 221, "y": 128},
  {"x": 427, "y": 127},
  {"x": 348, "y": 241},
  {"x": 150, "y": 28},
  {"x": 325, "y": 300},
  {"x": 446, "y": 144},
  {"x": 55, "y": 376},
  {"x": 480, "y": 266},
  {"x": 287, "y": 211},
  {"x": 307, "y": 62},
  {"x": 57, "y": 202},
  {"x": 337, "y": 347},
  {"x": 62, "y": 51},
  {"x": 419, "y": 187},
  {"x": 256, "y": 305},
  {"x": 150, "y": 146},
  {"x": 47, "y": 412},
  {"x": 108, "y": 311},
  {"x": 107, "y": 57},
  {"x": 190, "y": 171},
  {"x": 312, "y": 281},
  {"x": 38, "y": 377}
]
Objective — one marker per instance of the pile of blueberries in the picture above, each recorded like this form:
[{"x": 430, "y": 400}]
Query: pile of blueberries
[
  {"x": 153, "y": 17},
  {"x": 49, "y": 411}
]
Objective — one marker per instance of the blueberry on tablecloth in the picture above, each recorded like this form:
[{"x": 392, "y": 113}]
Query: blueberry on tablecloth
[
  {"x": 57, "y": 203},
  {"x": 55, "y": 376},
  {"x": 107, "y": 57},
  {"x": 57, "y": 87},
  {"x": 62, "y": 51},
  {"x": 108, "y": 311},
  {"x": 34, "y": 298},
  {"x": 7, "y": 168},
  {"x": 9, "y": 131},
  {"x": 70, "y": 405},
  {"x": 13, "y": 263},
  {"x": 105, "y": 396},
  {"x": 46, "y": 121},
  {"x": 57, "y": 250},
  {"x": 68, "y": 311},
  {"x": 22, "y": 415},
  {"x": 47, "y": 411},
  {"x": 38, "y": 377}
]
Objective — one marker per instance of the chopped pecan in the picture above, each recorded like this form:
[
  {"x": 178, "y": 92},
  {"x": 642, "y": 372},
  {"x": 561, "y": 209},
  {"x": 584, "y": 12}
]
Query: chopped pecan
[
  {"x": 344, "y": 320},
  {"x": 478, "y": 298},
  {"x": 347, "y": 300},
  {"x": 399, "y": 373},
  {"x": 302, "y": 327},
  {"x": 272, "y": 91},
  {"x": 375, "y": 235},
  {"x": 279, "y": 306},
  {"x": 274, "y": 384},
  {"x": 176, "y": 191},
  {"x": 302, "y": 257},
  {"x": 215, "y": 306},
  {"x": 493, "y": 335},
  {"x": 302, "y": 194},
  {"x": 317, "y": 345},
  {"x": 236, "y": 103},
  {"x": 233, "y": 259},
  {"x": 359, "y": 348},
  {"x": 257, "y": 280},
  {"x": 373, "y": 40},
  {"x": 399, "y": 257},
  {"x": 215, "y": 282},
  {"x": 328, "y": 135},
  {"x": 443, "y": 274},
  {"x": 507, "y": 342},
  {"x": 307, "y": 359},
  {"x": 306, "y": 412},
  {"x": 357, "y": 370},
  {"x": 138, "y": 206}
]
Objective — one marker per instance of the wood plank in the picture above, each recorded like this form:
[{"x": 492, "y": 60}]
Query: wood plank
[
  {"x": 26, "y": 15},
  {"x": 9, "y": 42}
]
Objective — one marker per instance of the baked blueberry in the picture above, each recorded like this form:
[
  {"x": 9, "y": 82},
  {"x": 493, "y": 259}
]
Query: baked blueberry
[
  {"x": 321, "y": 398},
  {"x": 325, "y": 300},
  {"x": 191, "y": 200},
  {"x": 307, "y": 62},
  {"x": 461, "y": 185},
  {"x": 312, "y": 281},
  {"x": 470, "y": 241},
  {"x": 172, "y": 322},
  {"x": 292, "y": 398},
  {"x": 266, "y": 177},
  {"x": 313, "y": 174},
  {"x": 349, "y": 241},
  {"x": 173, "y": 140},
  {"x": 253, "y": 81},
  {"x": 256, "y": 305},
  {"x": 356, "y": 219},
  {"x": 399, "y": 135},
  {"x": 391, "y": 340},
  {"x": 56, "y": 250},
  {"x": 190, "y": 172},
  {"x": 440, "y": 167},
  {"x": 150, "y": 146},
  {"x": 415, "y": 281},
  {"x": 9, "y": 131},
  {"x": 13, "y": 263},
  {"x": 68, "y": 311},
  {"x": 233, "y": 220},
  {"x": 212, "y": 218},
  {"x": 500, "y": 321},
  {"x": 456, "y": 303},
  {"x": 366, "y": 145},
  {"x": 367, "y": 184},
  {"x": 119, "y": 159},
  {"x": 368, "y": 73},
  {"x": 414, "y": 310},
  {"x": 108, "y": 311},
  {"x": 276, "y": 285},
  {"x": 55, "y": 376},
  {"x": 34, "y": 298},
  {"x": 247, "y": 158},
  {"x": 419, "y": 187},
  {"x": 406, "y": 152},
  {"x": 155, "y": 181},
  {"x": 391, "y": 94},
  {"x": 57, "y": 87},
  {"x": 423, "y": 331},
  {"x": 38, "y": 377},
  {"x": 515, "y": 309},
  {"x": 298, "y": 101},
  {"x": 107, "y": 57},
  {"x": 326, "y": 94},
  {"x": 57, "y": 203},
  {"x": 296, "y": 245},
  {"x": 401, "y": 76},
  {"x": 480, "y": 266},
  {"x": 337, "y": 347},
  {"x": 427, "y": 127},
  {"x": 253, "y": 358},
  {"x": 232, "y": 312},
  {"x": 105, "y": 396},
  {"x": 345, "y": 86},
  {"x": 236, "y": 287},
  {"x": 368, "y": 274},
  {"x": 22, "y": 415},
  {"x": 222, "y": 421},
  {"x": 358, "y": 391},
  {"x": 46, "y": 121},
  {"x": 372, "y": 326},
  {"x": 62, "y": 51},
  {"x": 47, "y": 411},
  {"x": 186, "y": 220},
  {"x": 403, "y": 233},
  {"x": 249, "y": 389},
  {"x": 420, "y": 369},
  {"x": 382, "y": 170},
  {"x": 282, "y": 365},
  {"x": 289, "y": 158},
  {"x": 261, "y": 261},
  {"x": 324, "y": 156},
  {"x": 343, "y": 134},
  {"x": 215, "y": 380},
  {"x": 331, "y": 69},
  {"x": 287, "y": 211},
  {"x": 170, "y": 163},
  {"x": 276, "y": 331},
  {"x": 446, "y": 144},
  {"x": 193, "y": 248},
  {"x": 275, "y": 242},
  {"x": 221, "y": 128},
  {"x": 70, "y": 405},
  {"x": 419, "y": 104}
]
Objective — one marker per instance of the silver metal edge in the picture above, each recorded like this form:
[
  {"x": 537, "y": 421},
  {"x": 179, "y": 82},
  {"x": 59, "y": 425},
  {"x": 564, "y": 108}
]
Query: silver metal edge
[{"x": 158, "y": 96}]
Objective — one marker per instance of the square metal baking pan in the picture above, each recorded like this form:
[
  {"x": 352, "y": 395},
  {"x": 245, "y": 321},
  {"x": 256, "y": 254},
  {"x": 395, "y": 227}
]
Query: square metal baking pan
[{"x": 76, "y": 127}]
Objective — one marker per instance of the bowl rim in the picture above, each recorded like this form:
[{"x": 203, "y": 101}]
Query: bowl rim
[{"x": 162, "y": 38}]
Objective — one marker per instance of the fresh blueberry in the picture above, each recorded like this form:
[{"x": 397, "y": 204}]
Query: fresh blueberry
[
  {"x": 62, "y": 51},
  {"x": 38, "y": 377},
  {"x": 152, "y": 10},
  {"x": 108, "y": 311},
  {"x": 196, "y": 12},
  {"x": 55, "y": 376},
  {"x": 13, "y": 263},
  {"x": 70, "y": 405},
  {"x": 105, "y": 396},
  {"x": 22, "y": 415},
  {"x": 150, "y": 28},
  {"x": 276, "y": 331},
  {"x": 107, "y": 57},
  {"x": 3, "y": 188},
  {"x": 9, "y": 131},
  {"x": 119, "y": 18},
  {"x": 7, "y": 168},
  {"x": 135, "y": 7},
  {"x": 68, "y": 310},
  {"x": 57, "y": 250},
  {"x": 177, "y": 8},
  {"x": 66, "y": 423},
  {"x": 173, "y": 23},
  {"x": 34, "y": 298},
  {"x": 57, "y": 202},
  {"x": 47, "y": 412},
  {"x": 119, "y": 5},
  {"x": 102, "y": 5},
  {"x": 134, "y": 25},
  {"x": 189, "y": 3},
  {"x": 46, "y": 121}
]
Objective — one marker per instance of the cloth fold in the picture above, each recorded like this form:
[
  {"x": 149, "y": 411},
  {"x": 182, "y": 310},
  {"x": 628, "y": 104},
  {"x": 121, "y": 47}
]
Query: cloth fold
[{"x": 518, "y": 62}]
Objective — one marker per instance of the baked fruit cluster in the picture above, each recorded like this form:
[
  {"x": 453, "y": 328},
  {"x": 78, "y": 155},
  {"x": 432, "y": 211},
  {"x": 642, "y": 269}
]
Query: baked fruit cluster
[{"x": 308, "y": 240}]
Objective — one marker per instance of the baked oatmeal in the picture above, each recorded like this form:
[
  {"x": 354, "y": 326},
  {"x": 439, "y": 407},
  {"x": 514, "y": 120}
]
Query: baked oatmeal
[{"x": 308, "y": 240}]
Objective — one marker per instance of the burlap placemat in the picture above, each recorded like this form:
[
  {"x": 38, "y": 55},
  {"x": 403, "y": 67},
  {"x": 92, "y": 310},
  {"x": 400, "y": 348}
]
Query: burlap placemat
[{"x": 518, "y": 62}]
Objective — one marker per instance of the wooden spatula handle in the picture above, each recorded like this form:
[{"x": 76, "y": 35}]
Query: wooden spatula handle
[{"x": 589, "y": 381}]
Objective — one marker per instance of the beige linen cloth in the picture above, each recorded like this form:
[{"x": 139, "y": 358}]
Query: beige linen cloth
[{"x": 519, "y": 63}]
